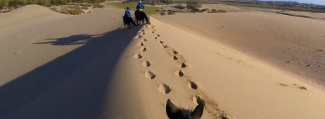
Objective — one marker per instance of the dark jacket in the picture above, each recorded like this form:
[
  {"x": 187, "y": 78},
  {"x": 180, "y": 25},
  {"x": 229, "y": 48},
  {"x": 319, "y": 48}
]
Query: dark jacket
[{"x": 136, "y": 12}]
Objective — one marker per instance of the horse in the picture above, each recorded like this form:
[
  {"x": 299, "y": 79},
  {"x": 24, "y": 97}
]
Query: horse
[
  {"x": 127, "y": 22},
  {"x": 173, "y": 112},
  {"x": 140, "y": 16}
]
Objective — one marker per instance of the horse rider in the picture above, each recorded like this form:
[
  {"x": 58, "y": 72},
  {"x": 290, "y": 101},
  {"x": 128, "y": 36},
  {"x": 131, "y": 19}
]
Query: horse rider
[
  {"x": 140, "y": 7},
  {"x": 127, "y": 16}
]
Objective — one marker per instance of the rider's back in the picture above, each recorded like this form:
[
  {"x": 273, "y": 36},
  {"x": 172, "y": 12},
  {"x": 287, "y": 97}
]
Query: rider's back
[{"x": 140, "y": 6}]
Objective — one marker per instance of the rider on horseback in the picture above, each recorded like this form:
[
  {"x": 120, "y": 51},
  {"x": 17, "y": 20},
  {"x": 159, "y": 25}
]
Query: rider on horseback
[
  {"x": 140, "y": 7},
  {"x": 127, "y": 18}
]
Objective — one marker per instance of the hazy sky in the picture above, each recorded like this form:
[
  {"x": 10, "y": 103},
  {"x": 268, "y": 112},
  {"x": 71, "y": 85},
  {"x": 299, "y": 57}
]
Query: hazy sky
[{"x": 320, "y": 2}]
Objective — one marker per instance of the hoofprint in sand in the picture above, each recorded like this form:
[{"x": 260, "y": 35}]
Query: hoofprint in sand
[
  {"x": 242, "y": 86},
  {"x": 121, "y": 73},
  {"x": 156, "y": 72}
]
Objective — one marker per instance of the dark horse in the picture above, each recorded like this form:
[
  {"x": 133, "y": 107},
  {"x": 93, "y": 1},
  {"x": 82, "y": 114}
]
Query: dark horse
[
  {"x": 140, "y": 16},
  {"x": 126, "y": 22},
  {"x": 173, "y": 112}
]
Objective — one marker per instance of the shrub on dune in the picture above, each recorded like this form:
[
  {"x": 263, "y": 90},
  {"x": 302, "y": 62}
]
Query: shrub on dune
[
  {"x": 222, "y": 11},
  {"x": 205, "y": 10},
  {"x": 75, "y": 10},
  {"x": 217, "y": 11},
  {"x": 193, "y": 4},
  {"x": 171, "y": 12},
  {"x": 98, "y": 6},
  {"x": 84, "y": 7},
  {"x": 151, "y": 3},
  {"x": 54, "y": 9},
  {"x": 214, "y": 11}
]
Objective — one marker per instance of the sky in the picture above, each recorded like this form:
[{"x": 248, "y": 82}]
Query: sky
[{"x": 320, "y": 2}]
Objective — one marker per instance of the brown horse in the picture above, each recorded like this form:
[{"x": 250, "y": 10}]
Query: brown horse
[{"x": 173, "y": 112}]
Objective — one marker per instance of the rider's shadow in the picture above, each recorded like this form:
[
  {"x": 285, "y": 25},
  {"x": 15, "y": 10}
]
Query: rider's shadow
[{"x": 71, "y": 40}]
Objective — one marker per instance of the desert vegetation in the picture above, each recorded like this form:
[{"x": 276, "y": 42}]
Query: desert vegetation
[
  {"x": 69, "y": 6},
  {"x": 274, "y": 5},
  {"x": 169, "y": 12},
  {"x": 72, "y": 10},
  {"x": 217, "y": 11},
  {"x": 194, "y": 5}
]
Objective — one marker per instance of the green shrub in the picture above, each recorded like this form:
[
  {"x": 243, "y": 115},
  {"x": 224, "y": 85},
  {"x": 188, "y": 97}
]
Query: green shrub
[
  {"x": 54, "y": 9},
  {"x": 217, "y": 11},
  {"x": 205, "y": 10},
  {"x": 224, "y": 11},
  {"x": 171, "y": 13},
  {"x": 213, "y": 10},
  {"x": 157, "y": 10},
  {"x": 153, "y": 4},
  {"x": 193, "y": 4},
  {"x": 163, "y": 13},
  {"x": 160, "y": 3},
  {"x": 98, "y": 6},
  {"x": 84, "y": 7},
  {"x": 75, "y": 10}
]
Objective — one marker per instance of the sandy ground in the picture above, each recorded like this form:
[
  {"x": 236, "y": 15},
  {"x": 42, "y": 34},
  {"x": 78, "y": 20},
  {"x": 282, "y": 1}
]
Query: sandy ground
[
  {"x": 293, "y": 44},
  {"x": 88, "y": 66},
  {"x": 315, "y": 16}
]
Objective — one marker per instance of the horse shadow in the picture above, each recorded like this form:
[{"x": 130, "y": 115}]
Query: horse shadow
[{"x": 71, "y": 86}]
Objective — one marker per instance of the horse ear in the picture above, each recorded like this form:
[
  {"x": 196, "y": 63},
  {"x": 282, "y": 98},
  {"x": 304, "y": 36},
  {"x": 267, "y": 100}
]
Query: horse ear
[
  {"x": 198, "y": 111},
  {"x": 171, "y": 110}
]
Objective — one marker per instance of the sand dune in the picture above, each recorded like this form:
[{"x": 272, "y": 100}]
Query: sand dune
[
  {"x": 86, "y": 66},
  {"x": 59, "y": 69},
  {"x": 20, "y": 33},
  {"x": 242, "y": 86},
  {"x": 293, "y": 44}
]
